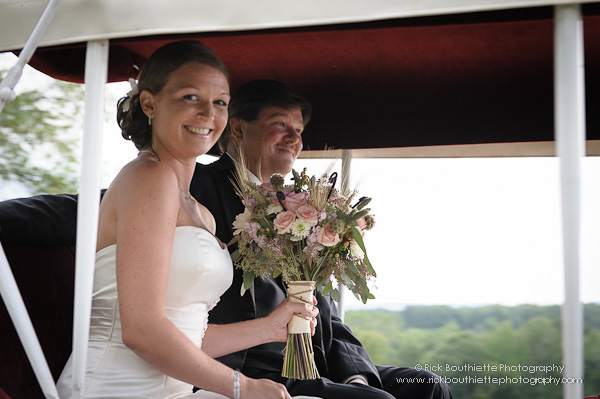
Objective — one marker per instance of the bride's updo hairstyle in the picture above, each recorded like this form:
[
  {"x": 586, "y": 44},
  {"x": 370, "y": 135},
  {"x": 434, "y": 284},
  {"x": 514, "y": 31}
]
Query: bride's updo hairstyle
[{"x": 153, "y": 77}]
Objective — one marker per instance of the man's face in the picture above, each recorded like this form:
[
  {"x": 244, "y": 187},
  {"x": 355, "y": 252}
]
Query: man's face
[{"x": 273, "y": 140}]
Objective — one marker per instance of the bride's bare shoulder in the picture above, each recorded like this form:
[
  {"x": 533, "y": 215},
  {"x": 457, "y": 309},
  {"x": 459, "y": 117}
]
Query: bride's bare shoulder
[{"x": 142, "y": 180}]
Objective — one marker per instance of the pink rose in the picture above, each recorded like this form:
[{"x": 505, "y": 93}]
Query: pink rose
[
  {"x": 283, "y": 222},
  {"x": 361, "y": 223},
  {"x": 294, "y": 200},
  {"x": 309, "y": 214},
  {"x": 327, "y": 238}
]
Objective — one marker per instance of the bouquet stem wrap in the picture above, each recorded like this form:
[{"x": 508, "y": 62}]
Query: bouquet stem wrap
[{"x": 299, "y": 362}]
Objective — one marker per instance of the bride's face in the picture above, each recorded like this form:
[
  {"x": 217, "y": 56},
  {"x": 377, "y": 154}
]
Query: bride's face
[{"x": 190, "y": 112}]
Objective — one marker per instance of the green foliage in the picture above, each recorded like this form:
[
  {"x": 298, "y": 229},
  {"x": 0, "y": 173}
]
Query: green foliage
[
  {"x": 591, "y": 315},
  {"x": 591, "y": 363},
  {"x": 452, "y": 341},
  {"x": 476, "y": 318},
  {"x": 37, "y": 143}
]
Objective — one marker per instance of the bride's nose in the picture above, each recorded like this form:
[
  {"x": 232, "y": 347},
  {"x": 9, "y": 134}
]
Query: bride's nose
[{"x": 206, "y": 111}]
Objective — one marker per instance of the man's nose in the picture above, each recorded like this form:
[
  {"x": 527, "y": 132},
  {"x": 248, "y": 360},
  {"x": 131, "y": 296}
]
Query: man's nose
[{"x": 292, "y": 136}]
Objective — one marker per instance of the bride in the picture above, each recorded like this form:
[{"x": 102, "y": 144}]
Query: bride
[{"x": 159, "y": 268}]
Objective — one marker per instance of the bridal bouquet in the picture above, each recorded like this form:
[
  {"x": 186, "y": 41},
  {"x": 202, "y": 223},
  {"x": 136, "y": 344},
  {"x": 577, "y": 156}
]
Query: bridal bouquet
[{"x": 311, "y": 234}]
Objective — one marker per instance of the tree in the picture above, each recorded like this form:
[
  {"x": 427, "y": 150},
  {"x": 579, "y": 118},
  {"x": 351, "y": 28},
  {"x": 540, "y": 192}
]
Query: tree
[
  {"x": 37, "y": 139},
  {"x": 592, "y": 361},
  {"x": 375, "y": 344},
  {"x": 502, "y": 337}
]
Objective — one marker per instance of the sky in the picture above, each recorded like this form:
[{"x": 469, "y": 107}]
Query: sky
[{"x": 459, "y": 231}]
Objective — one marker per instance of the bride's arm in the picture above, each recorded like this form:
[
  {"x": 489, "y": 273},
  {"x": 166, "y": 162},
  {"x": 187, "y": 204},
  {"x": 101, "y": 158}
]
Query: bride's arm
[
  {"x": 223, "y": 339},
  {"x": 145, "y": 212}
]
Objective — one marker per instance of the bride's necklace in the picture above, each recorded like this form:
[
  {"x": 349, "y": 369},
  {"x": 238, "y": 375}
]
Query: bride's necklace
[
  {"x": 188, "y": 195},
  {"x": 151, "y": 152}
]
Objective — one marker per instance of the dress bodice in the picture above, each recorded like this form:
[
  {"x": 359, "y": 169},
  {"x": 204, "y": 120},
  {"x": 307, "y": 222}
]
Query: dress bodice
[{"x": 200, "y": 271}]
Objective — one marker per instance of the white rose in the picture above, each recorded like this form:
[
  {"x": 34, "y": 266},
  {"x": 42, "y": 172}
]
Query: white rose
[{"x": 356, "y": 251}]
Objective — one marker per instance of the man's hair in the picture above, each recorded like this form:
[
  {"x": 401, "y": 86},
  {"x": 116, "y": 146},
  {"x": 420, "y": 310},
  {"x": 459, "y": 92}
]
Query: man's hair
[{"x": 249, "y": 100}]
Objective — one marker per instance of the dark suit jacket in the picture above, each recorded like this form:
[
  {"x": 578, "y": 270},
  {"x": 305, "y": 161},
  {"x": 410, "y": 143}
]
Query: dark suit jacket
[{"x": 338, "y": 354}]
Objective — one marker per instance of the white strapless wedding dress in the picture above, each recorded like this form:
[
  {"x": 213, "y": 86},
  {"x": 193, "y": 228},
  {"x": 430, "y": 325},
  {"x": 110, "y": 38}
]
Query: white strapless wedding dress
[{"x": 200, "y": 273}]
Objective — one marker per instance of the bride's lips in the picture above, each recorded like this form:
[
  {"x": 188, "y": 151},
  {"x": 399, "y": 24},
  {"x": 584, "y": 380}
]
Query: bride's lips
[{"x": 203, "y": 131}]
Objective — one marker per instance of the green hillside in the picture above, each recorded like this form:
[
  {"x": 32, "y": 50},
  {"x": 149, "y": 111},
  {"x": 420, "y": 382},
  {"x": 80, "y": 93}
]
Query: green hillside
[{"x": 485, "y": 352}]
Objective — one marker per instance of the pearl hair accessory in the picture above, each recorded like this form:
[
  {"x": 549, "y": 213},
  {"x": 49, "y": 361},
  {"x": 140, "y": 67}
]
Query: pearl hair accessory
[{"x": 133, "y": 92}]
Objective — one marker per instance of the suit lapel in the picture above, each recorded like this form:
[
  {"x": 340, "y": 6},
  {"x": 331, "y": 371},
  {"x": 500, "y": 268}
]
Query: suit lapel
[{"x": 232, "y": 203}]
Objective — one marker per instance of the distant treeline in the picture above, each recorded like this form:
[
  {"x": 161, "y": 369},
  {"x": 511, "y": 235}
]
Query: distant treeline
[{"x": 484, "y": 352}]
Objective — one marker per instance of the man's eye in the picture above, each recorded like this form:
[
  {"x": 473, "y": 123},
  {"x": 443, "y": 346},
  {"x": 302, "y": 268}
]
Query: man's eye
[{"x": 280, "y": 123}]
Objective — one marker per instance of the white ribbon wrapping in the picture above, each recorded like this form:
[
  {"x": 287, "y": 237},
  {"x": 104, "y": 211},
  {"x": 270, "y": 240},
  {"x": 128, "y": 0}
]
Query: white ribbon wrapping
[{"x": 300, "y": 292}]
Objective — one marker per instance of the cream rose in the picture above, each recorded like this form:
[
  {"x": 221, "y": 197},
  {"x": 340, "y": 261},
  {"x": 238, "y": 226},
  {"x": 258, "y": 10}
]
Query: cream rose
[
  {"x": 240, "y": 220},
  {"x": 283, "y": 222}
]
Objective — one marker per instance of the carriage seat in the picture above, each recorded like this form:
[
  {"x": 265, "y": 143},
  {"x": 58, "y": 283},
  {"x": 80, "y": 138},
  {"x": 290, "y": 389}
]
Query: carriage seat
[{"x": 38, "y": 238}]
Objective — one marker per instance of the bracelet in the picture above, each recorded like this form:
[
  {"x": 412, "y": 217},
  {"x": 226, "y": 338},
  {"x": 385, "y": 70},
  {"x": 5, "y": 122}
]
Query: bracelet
[{"x": 236, "y": 384}]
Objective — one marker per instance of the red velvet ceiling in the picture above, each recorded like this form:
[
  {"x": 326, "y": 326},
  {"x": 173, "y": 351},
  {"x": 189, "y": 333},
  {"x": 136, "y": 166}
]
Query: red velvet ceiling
[{"x": 471, "y": 78}]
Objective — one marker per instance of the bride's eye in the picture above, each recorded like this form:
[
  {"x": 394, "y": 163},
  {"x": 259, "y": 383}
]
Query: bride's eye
[{"x": 190, "y": 97}]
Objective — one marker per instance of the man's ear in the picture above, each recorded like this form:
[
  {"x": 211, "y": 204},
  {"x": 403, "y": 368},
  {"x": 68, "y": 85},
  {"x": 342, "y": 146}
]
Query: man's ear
[
  {"x": 236, "y": 128},
  {"x": 147, "y": 102}
]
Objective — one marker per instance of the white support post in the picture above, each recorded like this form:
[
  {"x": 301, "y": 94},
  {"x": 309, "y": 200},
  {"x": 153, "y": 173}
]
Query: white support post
[
  {"x": 7, "y": 93},
  {"x": 96, "y": 71},
  {"x": 570, "y": 140},
  {"x": 346, "y": 165},
  {"x": 8, "y": 286},
  {"x": 20, "y": 318}
]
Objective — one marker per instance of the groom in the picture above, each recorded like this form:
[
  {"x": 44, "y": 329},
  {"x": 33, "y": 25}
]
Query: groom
[{"x": 266, "y": 121}]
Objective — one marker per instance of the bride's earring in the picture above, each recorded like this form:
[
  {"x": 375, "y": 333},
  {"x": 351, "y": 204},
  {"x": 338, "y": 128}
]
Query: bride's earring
[{"x": 150, "y": 120}]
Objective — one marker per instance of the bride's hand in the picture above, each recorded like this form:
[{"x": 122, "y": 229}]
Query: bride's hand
[
  {"x": 279, "y": 318},
  {"x": 262, "y": 389}
]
